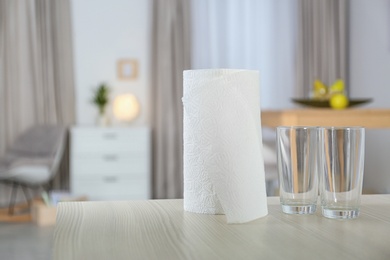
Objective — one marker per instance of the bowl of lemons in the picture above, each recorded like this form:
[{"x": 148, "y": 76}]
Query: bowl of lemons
[{"x": 333, "y": 96}]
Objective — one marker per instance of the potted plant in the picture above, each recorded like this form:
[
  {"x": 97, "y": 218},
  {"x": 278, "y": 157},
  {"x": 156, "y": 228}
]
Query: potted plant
[{"x": 101, "y": 99}]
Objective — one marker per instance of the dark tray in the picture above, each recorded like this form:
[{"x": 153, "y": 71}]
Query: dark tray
[{"x": 325, "y": 103}]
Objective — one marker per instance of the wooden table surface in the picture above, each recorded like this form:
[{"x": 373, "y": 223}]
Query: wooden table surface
[
  {"x": 160, "y": 229},
  {"x": 369, "y": 118}
]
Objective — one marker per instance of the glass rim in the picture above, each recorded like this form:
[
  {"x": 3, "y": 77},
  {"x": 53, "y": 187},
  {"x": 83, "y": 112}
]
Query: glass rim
[
  {"x": 354, "y": 128},
  {"x": 321, "y": 127},
  {"x": 296, "y": 127}
]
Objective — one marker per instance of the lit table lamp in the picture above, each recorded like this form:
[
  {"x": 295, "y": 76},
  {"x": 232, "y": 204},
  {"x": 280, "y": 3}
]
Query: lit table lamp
[{"x": 126, "y": 107}]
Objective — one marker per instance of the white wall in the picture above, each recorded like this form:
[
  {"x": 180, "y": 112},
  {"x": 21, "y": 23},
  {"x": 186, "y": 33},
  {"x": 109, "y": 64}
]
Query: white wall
[
  {"x": 370, "y": 77},
  {"x": 104, "y": 32}
]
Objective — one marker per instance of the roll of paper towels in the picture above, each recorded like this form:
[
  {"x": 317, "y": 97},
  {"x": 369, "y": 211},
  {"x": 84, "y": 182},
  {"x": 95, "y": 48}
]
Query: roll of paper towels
[{"x": 223, "y": 160}]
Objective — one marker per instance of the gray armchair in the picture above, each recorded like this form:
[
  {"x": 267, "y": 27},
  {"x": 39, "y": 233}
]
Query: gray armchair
[{"x": 33, "y": 160}]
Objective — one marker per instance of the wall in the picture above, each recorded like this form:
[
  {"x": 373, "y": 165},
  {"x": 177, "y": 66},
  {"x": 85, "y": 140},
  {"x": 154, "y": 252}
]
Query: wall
[
  {"x": 370, "y": 77},
  {"x": 104, "y": 32}
]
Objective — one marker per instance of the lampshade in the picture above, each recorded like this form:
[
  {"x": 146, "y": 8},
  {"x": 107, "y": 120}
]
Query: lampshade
[{"x": 126, "y": 107}]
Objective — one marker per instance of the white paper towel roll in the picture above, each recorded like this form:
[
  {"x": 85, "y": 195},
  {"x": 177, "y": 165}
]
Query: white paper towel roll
[{"x": 223, "y": 160}]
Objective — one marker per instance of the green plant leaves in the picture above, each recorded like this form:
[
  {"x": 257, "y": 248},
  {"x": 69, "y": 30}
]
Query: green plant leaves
[{"x": 100, "y": 97}]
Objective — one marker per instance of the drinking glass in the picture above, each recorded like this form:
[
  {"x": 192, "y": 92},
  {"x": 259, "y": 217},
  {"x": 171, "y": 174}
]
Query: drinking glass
[
  {"x": 298, "y": 159},
  {"x": 341, "y": 173}
]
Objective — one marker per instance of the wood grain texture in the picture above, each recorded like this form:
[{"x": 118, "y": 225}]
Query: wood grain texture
[
  {"x": 369, "y": 118},
  {"x": 160, "y": 229}
]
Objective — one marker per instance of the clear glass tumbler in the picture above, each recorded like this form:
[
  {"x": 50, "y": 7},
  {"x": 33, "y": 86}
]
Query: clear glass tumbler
[
  {"x": 341, "y": 173},
  {"x": 297, "y": 156}
]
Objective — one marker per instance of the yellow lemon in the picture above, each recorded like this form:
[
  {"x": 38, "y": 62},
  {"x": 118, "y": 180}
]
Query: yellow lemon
[
  {"x": 320, "y": 90},
  {"x": 337, "y": 87},
  {"x": 339, "y": 101}
]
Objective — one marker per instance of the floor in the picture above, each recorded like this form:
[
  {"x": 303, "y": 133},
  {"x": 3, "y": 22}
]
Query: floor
[{"x": 25, "y": 241}]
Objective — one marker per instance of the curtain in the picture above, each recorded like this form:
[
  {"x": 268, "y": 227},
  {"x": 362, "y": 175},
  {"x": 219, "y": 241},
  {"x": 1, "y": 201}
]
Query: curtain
[
  {"x": 248, "y": 34},
  {"x": 36, "y": 69},
  {"x": 322, "y": 43},
  {"x": 170, "y": 56}
]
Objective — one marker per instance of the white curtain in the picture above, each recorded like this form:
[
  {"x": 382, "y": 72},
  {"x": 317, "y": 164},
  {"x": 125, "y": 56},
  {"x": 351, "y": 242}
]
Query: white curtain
[{"x": 248, "y": 34}]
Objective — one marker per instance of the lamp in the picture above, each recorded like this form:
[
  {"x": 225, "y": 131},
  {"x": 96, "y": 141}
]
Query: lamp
[{"x": 126, "y": 107}]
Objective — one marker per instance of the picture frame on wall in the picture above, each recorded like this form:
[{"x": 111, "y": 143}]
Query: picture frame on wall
[{"x": 127, "y": 69}]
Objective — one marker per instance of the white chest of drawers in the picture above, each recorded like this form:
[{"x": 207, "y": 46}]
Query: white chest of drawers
[{"x": 110, "y": 163}]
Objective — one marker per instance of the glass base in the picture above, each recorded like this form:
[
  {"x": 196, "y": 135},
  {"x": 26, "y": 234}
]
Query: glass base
[
  {"x": 299, "y": 209},
  {"x": 340, "y": 213}
]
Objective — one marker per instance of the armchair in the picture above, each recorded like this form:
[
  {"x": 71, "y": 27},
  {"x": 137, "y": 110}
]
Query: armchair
[{"x": 33, "y": 160}]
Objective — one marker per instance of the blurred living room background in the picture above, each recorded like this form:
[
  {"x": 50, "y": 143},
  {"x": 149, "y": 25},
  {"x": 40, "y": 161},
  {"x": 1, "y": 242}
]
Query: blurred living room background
[{"x": 54, "y": 55}]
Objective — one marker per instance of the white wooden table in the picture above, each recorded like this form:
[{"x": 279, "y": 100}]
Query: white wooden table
[{"x": 160, "y": 229}]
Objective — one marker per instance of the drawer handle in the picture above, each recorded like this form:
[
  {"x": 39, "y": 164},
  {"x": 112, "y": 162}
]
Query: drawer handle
[
  {"x": 110, "y": 136},
  {"x": 110, "y": 157},
  {"x": 110, "y": 179}
]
